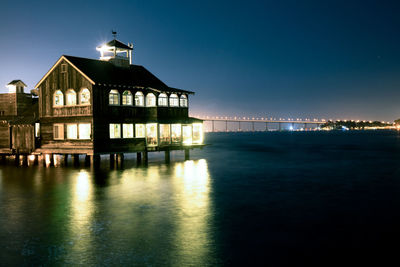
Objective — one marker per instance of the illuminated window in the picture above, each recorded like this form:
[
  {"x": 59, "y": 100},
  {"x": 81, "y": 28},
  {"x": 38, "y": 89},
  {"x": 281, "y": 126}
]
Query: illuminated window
[
  {"x": 139, "y": 99},
  {"x": 70, "y": 97},
  {"x": 173, "y": 100},
  {"x": 84, "y": 130},
  {"x": 150, "y": 100},
  {"x": 187, "y": 134},
  {"x": 162, "y": 100},
  {"x": 84, "y": 96},
  {"x": 58, "y": 98},
  {"x": 115, "y": 130},
  {"x": 151, "y": 134},
  {"x": 127, "y": 130},
  {"x": 165, "y": 136},
  {"x": 58, "y": 131},
  {"x": 183, "y": 101},
  {"x": 72, "y": 131},
  {"x": 140, "y": 131},
  {"x": 37, "y": 129},
  {"x": 113, "y": 98},
  {"x": 197, "y": 133},
  {"x": 176, "y": 133},
  {"x": 127, "y": 98}
]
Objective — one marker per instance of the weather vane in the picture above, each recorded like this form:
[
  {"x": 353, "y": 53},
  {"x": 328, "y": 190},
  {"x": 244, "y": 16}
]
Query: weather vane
[{"x": 114, "y": 33}]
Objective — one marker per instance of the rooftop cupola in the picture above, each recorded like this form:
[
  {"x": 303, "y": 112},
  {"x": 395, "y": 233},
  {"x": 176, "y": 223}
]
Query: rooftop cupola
[
  {"x": 16, "y": 86},
  {"x": 116, "y": 52}
]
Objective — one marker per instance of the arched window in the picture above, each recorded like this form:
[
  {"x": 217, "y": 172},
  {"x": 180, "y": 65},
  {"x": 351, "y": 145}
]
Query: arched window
[
  {"x": 127, "y": 98},
  {"x": 113, "y": 98},
  {"x": 58, "y": 98},
  {"x": 139, "y": 99},
  {"x": 183, "y": 101},
  {"x": 162, "y": 100},
  {"x": 84, "y": 96},
  {"x": 173, "y": 100},
  {"x": 150, "y": 100},
  {"x": 70, "y": 97}
]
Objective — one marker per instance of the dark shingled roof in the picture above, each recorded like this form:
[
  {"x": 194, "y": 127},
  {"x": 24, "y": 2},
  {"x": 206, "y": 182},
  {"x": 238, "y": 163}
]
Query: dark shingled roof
[
  {"x": 15, "y": 82},
  {"x": 103, "y": 72},
  {"x": 118, "y": 44}
]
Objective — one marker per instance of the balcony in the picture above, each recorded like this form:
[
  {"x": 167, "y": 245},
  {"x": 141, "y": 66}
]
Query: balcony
[{"x": 67, "y": 111}]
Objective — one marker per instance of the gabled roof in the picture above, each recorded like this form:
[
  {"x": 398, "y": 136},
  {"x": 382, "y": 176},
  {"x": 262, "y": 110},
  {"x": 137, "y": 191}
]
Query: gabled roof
[
  {"x": 118, "y": 44},
  {"x": 103, "y": 72},
  {"x": 14, "y": 82}
]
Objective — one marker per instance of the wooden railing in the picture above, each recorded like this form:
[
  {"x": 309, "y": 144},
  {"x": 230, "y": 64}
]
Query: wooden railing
[{"x": 72, "y": 111}]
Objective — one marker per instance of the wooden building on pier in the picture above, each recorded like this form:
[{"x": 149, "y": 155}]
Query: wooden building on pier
[{"x": 110, "y": 106}]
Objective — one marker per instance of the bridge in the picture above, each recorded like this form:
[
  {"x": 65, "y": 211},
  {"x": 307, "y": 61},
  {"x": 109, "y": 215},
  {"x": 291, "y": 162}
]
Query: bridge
[{"x": 237, "y": 123}]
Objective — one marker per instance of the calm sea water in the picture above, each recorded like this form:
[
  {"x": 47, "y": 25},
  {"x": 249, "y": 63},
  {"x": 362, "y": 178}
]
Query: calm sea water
[{"x": 275, "y": 199}]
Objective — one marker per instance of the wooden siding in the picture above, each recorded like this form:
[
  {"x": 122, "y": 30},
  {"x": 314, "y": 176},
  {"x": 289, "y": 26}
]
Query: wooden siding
[
  {"x": 4, "y": 135},
  {"x": 57, "y": 80},
  {"x": 23, "y": 138}
]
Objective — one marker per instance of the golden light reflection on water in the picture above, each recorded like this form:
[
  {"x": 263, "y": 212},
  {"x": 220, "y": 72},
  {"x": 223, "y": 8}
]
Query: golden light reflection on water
[{"x": 192, "y": 187}]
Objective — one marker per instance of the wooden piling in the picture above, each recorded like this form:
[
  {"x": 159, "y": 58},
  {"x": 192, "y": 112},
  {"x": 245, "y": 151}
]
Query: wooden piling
[
  {"x": 120, "y": 160},
  {"x": 87, "y": 160},
  {"x": 138, "y": 157},
  {"x": 95, "y": 160},
  {"x": 187, "y": 154},
  {"x": 167, "y": 157},
  {"x": 145, "y": 157},
  {"x": 75, "y": 159}
]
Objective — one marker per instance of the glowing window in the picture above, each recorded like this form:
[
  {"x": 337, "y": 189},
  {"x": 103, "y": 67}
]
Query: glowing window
[
  {"x": 84, "y": 96},
  {"x": 127, "y": 98},
  {"x": 58, "y": 98},
  {"x": 72, "y": 131},
  {"x": 139, "y": 99},
  {"x": 176, "y": 133},
  {"x": 70, "y": 97},
  {"x": 113, "y": 98},
  {"x": 115, "y": 130},
  {"x": 183, "y": 101},
  {"x": 127, "y": 130},
  {"x": 84, "y": 130},
  {"x": 150, "y": 100},
  {"x": 58, "y": 131},
  {"x": 151, "y": 134},
  {"x": 173, "y": 100},
  {"x": 140, "y": 131},
  {"x": 187, "y": 134},
  {"x": 165, "y": 136},
  {"x": 197, "y": 133},
  {"x": 162, "y": 100},
  {"x": 37, "y": 129}
]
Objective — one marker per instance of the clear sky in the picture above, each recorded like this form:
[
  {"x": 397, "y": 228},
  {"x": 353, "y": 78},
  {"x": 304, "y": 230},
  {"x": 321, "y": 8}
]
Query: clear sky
[{"x": 309, "y": 59}]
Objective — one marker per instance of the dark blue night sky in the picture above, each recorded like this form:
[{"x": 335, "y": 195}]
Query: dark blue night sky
[{"x": 298, "y": 59}]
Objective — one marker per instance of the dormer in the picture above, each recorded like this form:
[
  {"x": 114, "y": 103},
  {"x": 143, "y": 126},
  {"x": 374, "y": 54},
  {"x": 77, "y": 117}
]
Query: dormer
[
  {"x": 16, "y": 86},
  {"x": 116, "y": 52}
]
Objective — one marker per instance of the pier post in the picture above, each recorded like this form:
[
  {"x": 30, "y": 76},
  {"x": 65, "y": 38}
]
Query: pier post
[
  {"x": 187, "y": 154},
  {"x": 65, "y": 159},
  {"x": 226, "y": 126},
  {"x": 239, "y": 127},
  {"x": 95, "y": 160},
  {"x": 23, "y": 160},
  {"x": 213, "y": 129},
  {"x": 16, "y": 159},
  {"x": 87, "y": 160},
  {"x": 3, "y": 159},
  {"x": 35, "y": 159},
  {"x": 145, "y": 157},
  {"x": 42, "y": 160},
  {"x": 112, "y": 160},
  {"x": 75, "y": 159},
  {"x": 253, "y": 126},
  {"x": 120, "y": 160},
  {"x": 279, "y": 126},
  {"x": 138, "y": 157},
  {"x": 167, "y": 157}
]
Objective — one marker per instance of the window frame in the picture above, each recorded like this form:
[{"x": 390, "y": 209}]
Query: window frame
[
  {"x": 123, "y": 130},
  {"x": 61, "y": 125},
  {"x": 172, "y": 99},
  {"x": 67, "y": 94},
  {"x": 183, "y": 98},
  {"x": 66, "y": 129},
  {"x": 161, "y": 98},
  {"x": 153, "y": 97},
  {"x": 139, "y": 95},
  {"x": 62, "y": 98},
  {"x": 114, "y": 92},
  {"x": 80, "y": 97},
  {"x": 109, "y": 131},
  {"x": 90, "y": 131}
]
